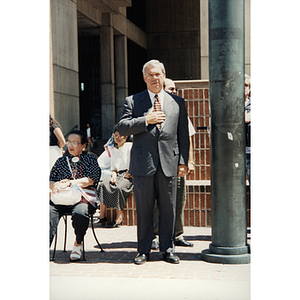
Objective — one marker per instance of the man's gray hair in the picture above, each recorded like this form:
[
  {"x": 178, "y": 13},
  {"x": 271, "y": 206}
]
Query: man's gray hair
[{"x": 154, "y": 62}]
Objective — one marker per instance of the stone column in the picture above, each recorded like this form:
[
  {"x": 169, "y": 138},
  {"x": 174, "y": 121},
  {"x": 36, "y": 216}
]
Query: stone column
[
  {"x": 64, "y": 98},
  {"x": 121, "y": 73},
  {"x": 228, "y": 188},
  {"x": 107, "y": 76},
  {"x": 204, "y": 62}
]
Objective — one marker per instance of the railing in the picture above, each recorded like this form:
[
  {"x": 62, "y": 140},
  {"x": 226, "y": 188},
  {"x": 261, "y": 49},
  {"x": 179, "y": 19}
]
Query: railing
[{"x": 74, "y": 127}]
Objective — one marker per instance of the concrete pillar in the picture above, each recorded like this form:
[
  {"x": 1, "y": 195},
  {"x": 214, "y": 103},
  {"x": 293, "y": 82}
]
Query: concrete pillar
[
  {"x": 228, "y": 189},
  {"x": 121, "y": 73},
  {"x": 107, "y": 71},
  {"x": 51, "y": 87},
  {"x": 204, "y": 62},
  {"x": 64, "y": 98},
  {"x": 248, "y": 37}
]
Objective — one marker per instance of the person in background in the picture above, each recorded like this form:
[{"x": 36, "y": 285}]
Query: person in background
[
  {"x": 77, "y": 167},
  {"x": 169, "y": 86},
  {"x": 248, "y": 125},
  {"x": 159, "y": 125},
  {"x": 89, "y": 137},
  {"x": 104, "y": 160},
  {"x": 56, "y": 140},
  {"x": 114, "y": 190}
]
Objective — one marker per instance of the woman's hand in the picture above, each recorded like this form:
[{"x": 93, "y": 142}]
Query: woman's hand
[
  {"x": 113, "y": 178},
  {"x": 60, "y": 185},
  {"x": 65, "y": 182}
]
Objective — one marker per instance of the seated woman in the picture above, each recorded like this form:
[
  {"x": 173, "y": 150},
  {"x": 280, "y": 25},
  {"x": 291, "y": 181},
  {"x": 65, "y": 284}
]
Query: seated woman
[
  {"x": 79, "y": 168},
  {"x": 114, "y": 191}
]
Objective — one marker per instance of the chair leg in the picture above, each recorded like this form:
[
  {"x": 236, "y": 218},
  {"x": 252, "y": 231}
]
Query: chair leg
[
  {"x": 54, "y": 250},
  {"x": 95, "y": 234},
  {"x": 65, "y": 242},
  {"x": 83, "y": 252}
]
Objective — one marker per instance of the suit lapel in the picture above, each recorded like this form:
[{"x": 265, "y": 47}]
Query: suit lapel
[
  {"x": 168, "y": 107},
  {"x": 146, "y": 101}
]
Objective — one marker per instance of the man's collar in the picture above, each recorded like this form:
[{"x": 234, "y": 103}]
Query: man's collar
[{"x": 161, "y": 95}]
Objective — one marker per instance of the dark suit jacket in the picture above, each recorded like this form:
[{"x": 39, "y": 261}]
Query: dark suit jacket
[{"x": 170, "y": 146}]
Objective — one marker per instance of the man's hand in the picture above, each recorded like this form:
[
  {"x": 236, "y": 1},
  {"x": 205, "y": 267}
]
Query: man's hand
[
  {"x": 155, "y": 117},
  {"x": 128, "y": 175},
  {"x": 182, "y": 170}
]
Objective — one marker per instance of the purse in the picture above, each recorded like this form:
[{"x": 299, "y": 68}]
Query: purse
[{"x": 68, "y": 196}]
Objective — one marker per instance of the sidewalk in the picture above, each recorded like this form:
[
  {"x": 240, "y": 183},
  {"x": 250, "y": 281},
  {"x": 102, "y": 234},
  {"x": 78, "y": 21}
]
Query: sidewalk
[{"x": 112, "y": 275}]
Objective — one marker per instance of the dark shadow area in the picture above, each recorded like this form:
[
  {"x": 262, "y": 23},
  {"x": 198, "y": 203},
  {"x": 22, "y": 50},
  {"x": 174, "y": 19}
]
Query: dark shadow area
[
  {"x": 118, "y": 257},
  {"x": 116, "y": 245},
  {"x": 197, "y": 237}
]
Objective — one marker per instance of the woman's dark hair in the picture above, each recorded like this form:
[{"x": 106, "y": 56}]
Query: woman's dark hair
[
  {"x": 116, "y": 128},
  {"x": 81, "y": 134},
  {"x": 53, "y": 121}
]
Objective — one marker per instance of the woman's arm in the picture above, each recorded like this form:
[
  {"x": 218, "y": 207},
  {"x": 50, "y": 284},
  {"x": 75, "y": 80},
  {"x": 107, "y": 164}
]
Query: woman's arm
[
  {"x": 191, "y": 162},
  {"x": 60, "y": 137},
  {"x": 82, "y": 182},
  {"x": 59, "y": 185}
]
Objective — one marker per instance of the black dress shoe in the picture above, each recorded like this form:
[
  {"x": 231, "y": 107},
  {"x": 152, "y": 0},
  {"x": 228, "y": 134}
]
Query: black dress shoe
[
  {"x": 171, "y": 258},
  {"x": 141, "y": 258},
  {"x": 183, "y": 243}
]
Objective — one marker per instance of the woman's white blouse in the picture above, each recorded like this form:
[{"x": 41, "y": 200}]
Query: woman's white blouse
[{"x": 120, "y": 158}]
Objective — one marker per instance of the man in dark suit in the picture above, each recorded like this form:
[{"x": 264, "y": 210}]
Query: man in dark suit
[{"x": 159, "y": 125}]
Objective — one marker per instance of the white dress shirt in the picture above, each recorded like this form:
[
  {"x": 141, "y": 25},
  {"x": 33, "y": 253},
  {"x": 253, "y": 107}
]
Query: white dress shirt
[{"x": 161, "y": 97}]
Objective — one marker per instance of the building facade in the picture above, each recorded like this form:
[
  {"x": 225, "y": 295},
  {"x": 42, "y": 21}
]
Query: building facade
[{"x": 98, "y": 48}]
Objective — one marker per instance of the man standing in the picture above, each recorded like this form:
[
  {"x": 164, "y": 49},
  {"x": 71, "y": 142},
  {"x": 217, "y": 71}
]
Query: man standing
[
  {"x": 159, "y": 125},
  {"x": 170, "y": 87}
]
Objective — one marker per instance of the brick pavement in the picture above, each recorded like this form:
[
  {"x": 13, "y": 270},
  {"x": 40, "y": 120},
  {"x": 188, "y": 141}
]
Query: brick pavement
[{"x": 116, "y": 262}]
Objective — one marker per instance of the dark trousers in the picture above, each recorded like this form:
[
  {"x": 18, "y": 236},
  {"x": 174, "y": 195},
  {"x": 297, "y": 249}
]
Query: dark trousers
[
  {"x": 146, "y": 190},
  {"x": 80, "y": 218},
  {"x": 180, "y": 203}
]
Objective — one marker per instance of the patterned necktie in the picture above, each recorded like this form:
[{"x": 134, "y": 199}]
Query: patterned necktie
[{"x": 157, "y": 107}]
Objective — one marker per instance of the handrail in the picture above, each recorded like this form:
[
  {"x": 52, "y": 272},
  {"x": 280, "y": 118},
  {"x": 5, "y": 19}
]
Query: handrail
[{"x": 74, "y": 127}]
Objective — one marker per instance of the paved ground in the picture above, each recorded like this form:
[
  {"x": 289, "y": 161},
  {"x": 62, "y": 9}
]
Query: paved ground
[{"x": 111, "y": 275}]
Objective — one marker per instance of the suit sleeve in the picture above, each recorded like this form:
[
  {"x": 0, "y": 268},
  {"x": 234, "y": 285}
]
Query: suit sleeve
[{"x": 130, "y": 124}]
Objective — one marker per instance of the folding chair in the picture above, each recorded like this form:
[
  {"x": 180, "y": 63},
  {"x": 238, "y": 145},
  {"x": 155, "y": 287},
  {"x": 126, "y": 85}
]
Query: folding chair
[{"x": 65, "y": 241}]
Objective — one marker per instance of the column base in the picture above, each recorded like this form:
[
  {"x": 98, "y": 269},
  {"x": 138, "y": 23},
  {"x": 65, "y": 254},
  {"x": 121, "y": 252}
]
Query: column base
[{"x": 229, "y": 256}]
